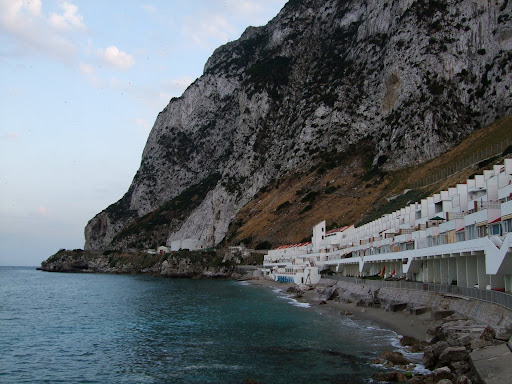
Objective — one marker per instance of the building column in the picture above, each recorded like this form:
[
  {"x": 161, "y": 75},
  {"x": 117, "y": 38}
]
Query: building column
[
  {"x": 443, "y": 272},
  {"x": 462, "y": 280},
  {"x": 471, "y": 271},
  {"x": 483, "y": 278},
  {"x": 437, "y": 271},
  {"x": 452, "y": 270},
  {"x": 430, "y": 270}
]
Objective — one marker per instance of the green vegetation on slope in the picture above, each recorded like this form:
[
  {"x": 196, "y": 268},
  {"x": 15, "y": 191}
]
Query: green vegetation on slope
[{"x": 145, "y": 229}]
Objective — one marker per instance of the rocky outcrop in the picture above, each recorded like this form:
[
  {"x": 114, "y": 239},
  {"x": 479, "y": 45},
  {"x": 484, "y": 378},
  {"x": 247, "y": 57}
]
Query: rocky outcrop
[
  {"x": 179, "y": 264},
  {"x": 397, "y": 82}
]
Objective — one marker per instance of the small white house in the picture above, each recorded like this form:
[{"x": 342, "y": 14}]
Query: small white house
[
  {"x": 162, "y": 250},
  {"x": 186, "y": 245}
]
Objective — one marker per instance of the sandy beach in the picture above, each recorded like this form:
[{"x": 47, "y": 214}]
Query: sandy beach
[{"x": 400, "y": 322}]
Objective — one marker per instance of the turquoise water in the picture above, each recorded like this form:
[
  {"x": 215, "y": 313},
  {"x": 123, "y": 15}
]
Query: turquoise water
[{"x": 80, "y": 328}]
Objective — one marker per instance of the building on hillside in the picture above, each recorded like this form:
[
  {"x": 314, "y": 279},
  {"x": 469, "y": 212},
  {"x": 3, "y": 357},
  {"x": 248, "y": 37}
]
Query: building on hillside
[
  {"x": 460, "y": 236},
  {"x": 162, "y": 250},
  {"x": 186, "y": 245}
]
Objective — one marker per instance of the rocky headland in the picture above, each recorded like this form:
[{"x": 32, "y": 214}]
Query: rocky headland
[{"x": 184, "y": 264}]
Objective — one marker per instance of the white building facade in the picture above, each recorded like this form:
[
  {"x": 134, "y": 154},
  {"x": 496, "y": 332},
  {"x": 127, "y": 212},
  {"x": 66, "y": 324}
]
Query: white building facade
[{"x": 461, "y": 236}]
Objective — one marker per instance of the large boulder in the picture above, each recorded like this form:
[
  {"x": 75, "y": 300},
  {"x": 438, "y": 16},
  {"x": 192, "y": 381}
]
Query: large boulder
[
  {"x": 394, "y": 357},
  {"x": 445, "y": 381},
  {"x": 298, "y": 290},
  {"x": 328, "y": 293},
  {"x": 442, "y": 373},
  {"x": 414, "y": 344},
  {"x": 432, "y": 352},
  {"x": 452, "y": 354},
  {"x": 390, "y": 377}
]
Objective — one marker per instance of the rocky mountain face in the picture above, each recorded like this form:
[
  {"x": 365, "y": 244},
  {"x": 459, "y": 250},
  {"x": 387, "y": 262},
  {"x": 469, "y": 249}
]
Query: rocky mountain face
[{"x": 403, "y": 79}]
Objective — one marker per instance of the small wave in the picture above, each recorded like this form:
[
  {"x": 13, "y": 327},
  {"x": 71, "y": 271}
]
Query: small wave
[
  {"x": 293, "y": 301},
  {"x": 411, "y": 356},
  {"x": 374, "y": 328},
  {"x": 299, "y": 304},
  {"x": 243, "y": 282},
  {"x": 212, "y": 366},
  {"x": 396, "y": 342},
  {"x": 420, "y": 369}
]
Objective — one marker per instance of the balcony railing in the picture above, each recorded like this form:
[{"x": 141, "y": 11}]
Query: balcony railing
[{"x": 489, "y": 205}]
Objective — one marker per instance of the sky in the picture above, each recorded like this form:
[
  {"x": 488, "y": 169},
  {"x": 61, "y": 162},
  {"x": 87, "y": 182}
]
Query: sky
[{"x": 81, "y": 84}]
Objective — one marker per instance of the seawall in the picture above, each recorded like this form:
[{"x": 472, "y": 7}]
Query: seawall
[
  {"x": 468, "y": 338},
  {"x": 494, "y": 315}
]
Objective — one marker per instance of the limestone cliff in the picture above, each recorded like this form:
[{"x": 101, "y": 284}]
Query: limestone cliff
[{"x": 408, "y": 79}]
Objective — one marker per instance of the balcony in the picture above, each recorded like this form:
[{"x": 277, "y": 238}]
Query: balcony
[
  {"x": 506, "y": 208},
  {"x": 505, "y": 192}
]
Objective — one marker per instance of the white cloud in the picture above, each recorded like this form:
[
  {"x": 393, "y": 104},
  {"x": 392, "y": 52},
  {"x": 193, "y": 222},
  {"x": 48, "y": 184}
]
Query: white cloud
[
  {"x": 33, "y": 6},
  {"x": 69, "y": 19},
  {"x": 113, "y": 57},
  {"x": 209, "y": 30},
  {"x": 29, "y": 31},
  {"x": 89, "y": 71},
  {"x": 86, "y": 69}
]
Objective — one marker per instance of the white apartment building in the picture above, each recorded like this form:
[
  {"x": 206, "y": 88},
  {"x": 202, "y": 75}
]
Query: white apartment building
[{"x": 461, "y": 236}]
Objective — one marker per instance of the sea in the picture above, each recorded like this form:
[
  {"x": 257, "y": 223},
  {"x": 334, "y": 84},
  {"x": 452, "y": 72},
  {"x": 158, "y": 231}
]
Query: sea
[{"x": 97, "y": 328}]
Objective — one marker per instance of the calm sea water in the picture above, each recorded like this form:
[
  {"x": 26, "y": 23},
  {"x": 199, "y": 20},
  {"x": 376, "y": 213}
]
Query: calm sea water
[{"x": 80, "y": 328}]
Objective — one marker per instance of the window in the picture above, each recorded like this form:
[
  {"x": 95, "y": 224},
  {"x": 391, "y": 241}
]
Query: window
[
  {"x": 507, "y": 225},
  {"x": 470, "y": 232},
  {"x": 460, "y": 236},
  {"x": 495, "y": 229},
  {"x": 481, "y": 230}
]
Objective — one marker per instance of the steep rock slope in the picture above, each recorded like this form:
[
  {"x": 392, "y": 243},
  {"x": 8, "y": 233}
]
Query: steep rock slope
[{"x": 403, "y": 79}]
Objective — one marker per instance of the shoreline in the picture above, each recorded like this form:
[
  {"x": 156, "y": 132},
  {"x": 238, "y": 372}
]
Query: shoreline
[{"x": 401, "y": 322}]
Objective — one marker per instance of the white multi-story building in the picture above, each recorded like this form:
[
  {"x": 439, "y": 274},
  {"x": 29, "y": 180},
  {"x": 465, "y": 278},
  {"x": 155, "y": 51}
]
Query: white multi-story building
[{"x": 461, "y": 236}]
